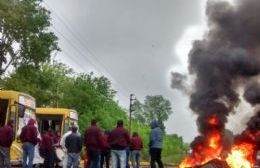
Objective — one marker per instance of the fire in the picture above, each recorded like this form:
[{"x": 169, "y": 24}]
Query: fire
[
  {"x": 241, "y": 156},
  {"x": 203, "y": 154},
  {"x": 210, "y": 147},
  {"x": 214, "y": 141},
  {"x": 213, "y": 120}
]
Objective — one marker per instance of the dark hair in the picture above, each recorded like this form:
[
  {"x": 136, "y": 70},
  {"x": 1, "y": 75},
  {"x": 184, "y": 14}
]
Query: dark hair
[
  {"x": 74, "y": 129},
  {"x": 93, "y": 122},
  {"x": 120, "y": 123},
  {"x": 135, "y": 134}
]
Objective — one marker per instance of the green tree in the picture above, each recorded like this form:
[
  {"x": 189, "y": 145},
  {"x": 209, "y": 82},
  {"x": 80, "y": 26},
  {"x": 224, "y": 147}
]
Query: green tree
[
  {"x": 46, "y": 83},
  {"x": 138, "y": 113},
  {"x": 154, "y": 108},
  {"x": 24, "y": 34}
]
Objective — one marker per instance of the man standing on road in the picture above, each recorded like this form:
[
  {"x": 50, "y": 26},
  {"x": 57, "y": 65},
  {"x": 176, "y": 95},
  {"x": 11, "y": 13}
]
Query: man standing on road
[
  {"x": 73, "y": 144},
  {"x": 93, "y": 143},
  {"x": 29, "y": 139},
  {"x": 155, "y": 145},
  {"x": 6, "y": 140},
  {"x": 62, "y": 144},
  {"x": 135, "y": 148},
  {"x": 47, "y": 149},
  {"x": 105, "y": 152},
  {"x": 119, "y": 140}
]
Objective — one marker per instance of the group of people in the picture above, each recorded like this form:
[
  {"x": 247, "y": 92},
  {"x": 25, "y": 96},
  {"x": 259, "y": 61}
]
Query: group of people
[
  {"x": 113, "y": 147},
  {"x": 118, "y": 145}
]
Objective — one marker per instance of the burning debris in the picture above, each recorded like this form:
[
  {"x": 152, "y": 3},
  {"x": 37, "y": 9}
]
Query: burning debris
[{"x": 227, "y": 55}]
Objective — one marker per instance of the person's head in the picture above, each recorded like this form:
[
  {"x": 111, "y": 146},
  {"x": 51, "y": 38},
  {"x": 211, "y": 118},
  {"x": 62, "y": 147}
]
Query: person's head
[
  {"x": 93, "y": 122},
  {"x": 31, "y": 122},
  {"x": 74, "y": 129},
  {"x": 154, "y": 124},
  {"x": 135, "y": 134},
  {"x": 120, "y": 123},
  {"x": 45, "y": 132}
]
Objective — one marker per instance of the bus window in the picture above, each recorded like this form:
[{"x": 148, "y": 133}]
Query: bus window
[
  {"x": 66, "y": 125},
  {"x": 3, "y": 111},
  {"x": 50, "y": 123}
]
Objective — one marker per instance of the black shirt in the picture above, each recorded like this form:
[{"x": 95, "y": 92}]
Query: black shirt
[{"x": 73, "y": 143}]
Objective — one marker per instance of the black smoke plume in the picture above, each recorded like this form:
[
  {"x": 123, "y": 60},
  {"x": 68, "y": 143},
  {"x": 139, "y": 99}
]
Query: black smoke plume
[
  {"x": 252, "y": 93},
  {"x": 228, "y": 52}
]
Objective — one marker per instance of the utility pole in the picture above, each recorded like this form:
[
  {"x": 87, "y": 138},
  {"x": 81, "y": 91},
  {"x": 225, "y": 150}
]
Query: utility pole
[{"x": 132, "y": 99}]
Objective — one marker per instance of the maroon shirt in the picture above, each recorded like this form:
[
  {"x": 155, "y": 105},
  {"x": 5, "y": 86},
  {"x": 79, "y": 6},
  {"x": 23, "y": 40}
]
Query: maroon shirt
[
  {"x": 119, "y": 138},
  {"x": 7, "y": 135},
  {"x": 93, "y": 138},
  {"x": 136, "y": 143},
  {"x": 29, "y": 134},
  {"x": 47, "y": 142},
  {"x": 106, "y": 145}
]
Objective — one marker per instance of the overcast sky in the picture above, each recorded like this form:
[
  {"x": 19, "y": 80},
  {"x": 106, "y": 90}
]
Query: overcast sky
[{"x": 135, "y": 43}]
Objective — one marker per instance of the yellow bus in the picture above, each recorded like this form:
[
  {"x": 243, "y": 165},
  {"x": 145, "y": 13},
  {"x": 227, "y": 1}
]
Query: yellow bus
[
  {"x": 56, "y": 119},
  {"x": 19, "y": 107}
]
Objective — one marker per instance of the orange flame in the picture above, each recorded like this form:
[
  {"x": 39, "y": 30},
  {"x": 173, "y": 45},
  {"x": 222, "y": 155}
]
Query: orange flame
[
  {"x": 204, "y": 153},
  {"x": 241, "y": 156}
]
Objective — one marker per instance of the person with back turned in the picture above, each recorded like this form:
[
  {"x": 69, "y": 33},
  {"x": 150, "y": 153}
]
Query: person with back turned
[
  {"x": 119, "y": 141},
  {"x": 5, "y": 144},
  {"x": 29, "y": 138},
  {"x": 73, "y": 145},
  {"x": 155, "y": 145},
  {"x": 135, "y": 150},
  {"x": 94, "y": 144},
  {"x": 105, "y": 152}
]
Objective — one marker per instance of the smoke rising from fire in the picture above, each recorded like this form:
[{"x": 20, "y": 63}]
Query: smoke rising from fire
[
  {"x": 227, "y": 53},
  {"x": 225, "y": 61},
  {"x": 180, "y": 82},
  {"x": 252, "y": 93}
]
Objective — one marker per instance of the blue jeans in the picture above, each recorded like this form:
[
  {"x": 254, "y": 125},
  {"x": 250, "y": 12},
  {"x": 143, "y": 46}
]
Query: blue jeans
[
  {"x": 28, "y": 152},
  {"x": 135, "y": 158},
  {"x": 73, "y": 160},
  {"x": 118, "y": 155},
  {"x": 93, "y": 158}
]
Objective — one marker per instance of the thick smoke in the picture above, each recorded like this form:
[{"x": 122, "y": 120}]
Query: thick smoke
[
  {"x": 228, "y": 53},
  {"x": 252, "y": 93},
  {"x": 180, "y": 82}
]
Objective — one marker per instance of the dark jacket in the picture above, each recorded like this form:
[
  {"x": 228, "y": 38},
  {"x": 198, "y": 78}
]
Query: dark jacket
[
  {"x": 119, "y": 139},
  {"x": 136, "y": 143},
  {"x": 156, "y": 136},
  {"x": 29, "y": 133},
  {"x": 106, "y": 145},
  {"x": 7, "y": 135},
  {"x": 47, "y": 142},
  {"x": 73, "y": 143},
  {"x": 93, "y": 138}
]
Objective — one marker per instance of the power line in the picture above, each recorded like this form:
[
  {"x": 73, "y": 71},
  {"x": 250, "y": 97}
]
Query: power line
[
  {"x": 72, "y": 58},
  {"x": 68, "y": 41},
  {"x": 84, "y": 45}
]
